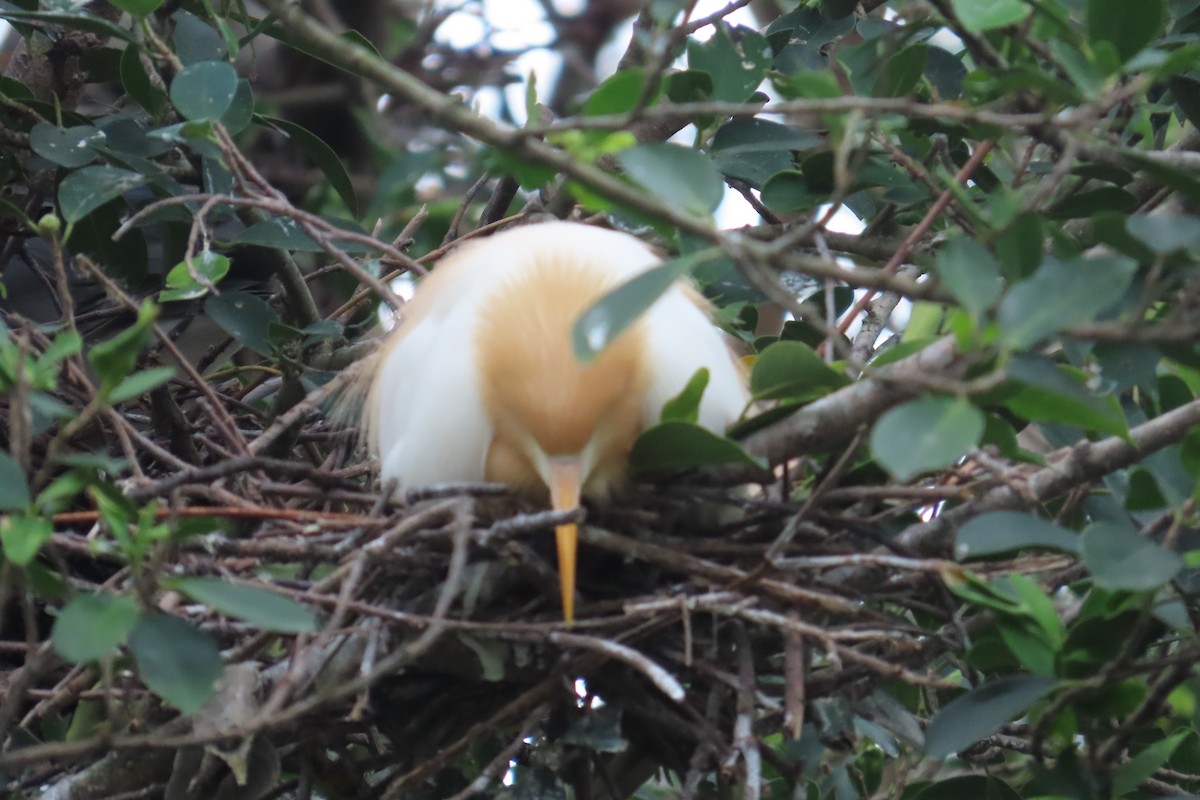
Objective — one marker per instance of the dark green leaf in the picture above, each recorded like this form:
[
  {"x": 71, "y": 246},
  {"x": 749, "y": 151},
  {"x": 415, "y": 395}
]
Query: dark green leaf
[
  {"x": 1127, "y": 26},
  {"x": 139, "y": 383},
  {"x": 267, "y": 610},
  {"x": 67, "y": 147},
  {"x": 1000, "y": 532},
  {"x": 682, "y": 445},
  {"x": 618, "y": 94},
  {"x": 176, "y": 661},
  {"x": 93, "y": 626},
  {"x": 1050, "y": 393},
  {"x": 1084, "y": 204},
  {"x": 609, "y": 316},
  {"x": 901, "y": 73},
  {"x": 679, "y": 175},
  {"x": 195, "y": 40},
  {"x": 1139, "y": 769},
  {"x": 978, "y": 17},
  {"x": 71, "y": 19},
  {"x": 14, "y": 488},
  {"x": 793, "y": 370},
  {"x": 981, "y": 787},
  {"x": 322, "y": 155},
  {"x": 86, "y": 189},
  {"x": 137, "y": 82},
  {"x": 925, "y": 434},
  {"x": 244, "y": 317},
  {"x": 204, "y": 91},
  {"x": 138, "y": 8},
  {"x": 685, "y": 406},
  {"x": 1122, "y": 559},
  {"x": 22, "y": 537},
  {"x": 981, "y": 711},
  {"x": 736, "y": 68},
  {"x": 241, "y": 110},
  {"x": 970, "y": 273},
  {"x": 1061, "y": 294}
]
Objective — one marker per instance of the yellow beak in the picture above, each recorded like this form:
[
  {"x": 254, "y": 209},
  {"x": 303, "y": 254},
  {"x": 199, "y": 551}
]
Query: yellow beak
[{"x": 566, "y": 481}]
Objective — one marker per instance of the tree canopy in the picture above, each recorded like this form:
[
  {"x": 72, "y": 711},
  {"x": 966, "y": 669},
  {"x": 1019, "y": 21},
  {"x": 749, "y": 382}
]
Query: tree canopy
[{"x": 951, "y": 547}]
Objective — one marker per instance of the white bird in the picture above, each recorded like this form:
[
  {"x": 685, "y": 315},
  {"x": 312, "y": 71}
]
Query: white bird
[{"x": 479, "y": 381}]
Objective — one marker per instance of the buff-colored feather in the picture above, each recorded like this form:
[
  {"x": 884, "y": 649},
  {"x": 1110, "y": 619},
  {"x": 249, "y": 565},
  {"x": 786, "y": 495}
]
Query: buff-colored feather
[{"x": 479, "y": 381}]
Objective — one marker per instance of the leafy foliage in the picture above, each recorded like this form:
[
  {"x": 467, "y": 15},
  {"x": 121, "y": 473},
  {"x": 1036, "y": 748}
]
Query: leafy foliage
[{"x": 950, "y": 550}]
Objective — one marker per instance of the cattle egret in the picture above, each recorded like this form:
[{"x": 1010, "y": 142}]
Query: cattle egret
[{"x": 479, "y": 381}]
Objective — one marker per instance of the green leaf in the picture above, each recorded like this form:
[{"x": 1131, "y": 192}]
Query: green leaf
[
  {"x": 978, "y": 17},
  {"x": 679, "y": 175},
  {"x": 321, "y": 154},
  {"x": 70, "y": 19},
  {"x": 790, "y": 369},
  {"x": 67, "y": 147},
  {"x": 736, "y": 68},
  {"x": 267, "y": 610},
  {"x": 1051, "y": 393},
  {"x": 137, "y": 84},
  {"x": 1061, "y": 294},
  {"x": 86, "y": 189},
  {"x": 983, "y": 787},
  {"x": 1141, "y": 767},
  {"x": 900, "y": 74},
  {"x": 1084, "y": 204},
  {"x": 139, "y": 383},
  {"x": 685, "y": 406},
  {"x": 202, "y": 92},
  {"x": 22, "y": 537},
  {"x": 14, "y": 488},
  {"x": 925, "y": 434},
  {"x": 682, "y": 445},
  {"x": 609, "y": 316},
  {"x": 116, "y": 358},
  {"x": 1000, "y": 532},
  {"x": 1120, "y": 558},
  {"x": 1128, "y": 26},
  {"x": 1165, "y": 233},
  {"x": 981, "y": 711},
  {"x": 176, "y": 661},
  {"x": 618, "y": 94},
  {"x": 93, "y": 626},
  {"x": 138, "y": 8},
  {"x": 245, "y": 317},
  {"x": 187, "y": 283},
  {"x": 970, "y": 274}
]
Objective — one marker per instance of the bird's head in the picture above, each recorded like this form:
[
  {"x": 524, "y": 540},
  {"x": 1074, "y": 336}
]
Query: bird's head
[{"x": 560, "y": 427}]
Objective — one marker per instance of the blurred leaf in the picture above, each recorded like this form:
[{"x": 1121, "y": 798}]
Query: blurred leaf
[
  {"x": 618, "y": 93},
  {"x": 793, "y": 370},
  {"x": 970, "y": 274},
  {"x": 175, "y": 660},
  {"x": 1084, "y": 204},
  {"x": 1128, "y": 26},
  {"x": 685, "y": 406},
  {"x": 245, "y": 317},
  {"x": 67, "y": 147},
  {"x": 736, "y": 68},
  {"x": 265, "y": 609},
  {"x": 86, "y": 189},
  {"x": 925, "y": 434},
  {"x": 679, "y": 175},
  {"x": 1139, "y": 769},
  {"x": 117, "y": 357},
  {"x": 1000, "y": 532},
  {"x": 23, "y": 536},
  {"x": 900, "y": 74},
  {"x": 682, "y": 445},
  {"x": 609, "y": 316},
  {"x": 981, "y": 711},
  {"x": 203, "y": 92},
  {"x": 14, "y": 488},
  {"x": 139, "y": 383},
  {"x": 93, "y": 626},
  {"x": 138, "y": 8},
  {"x": 1056, "y": 394},
  {"x": 1120, "y": 558},
  {"x": 321, "y": 154},
  {"x": 978, "y": 17},
  {"x": 1061, "y": 294},
  {"x": 980, "y": 787},
  {"x": 1165, "y": 233}
]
